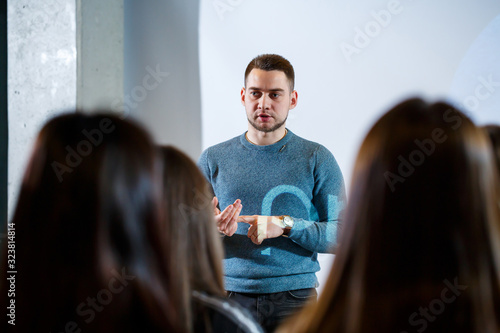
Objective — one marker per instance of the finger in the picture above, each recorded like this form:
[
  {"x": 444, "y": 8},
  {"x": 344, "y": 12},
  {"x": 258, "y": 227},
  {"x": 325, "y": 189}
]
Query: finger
[
  {"x": 226, "y": 216},
  {"x": 232, "y": 230},
  {"x": 233, "y": 222},
  {"x": 252, "y": 231},
  {"x": 237, "y": 209},
  {"x": 256, "y": 237},
  {"x": 232, "y": 225},
  {"x": 250, "y": 219},
  {"x": 253, "y": 238},
  {"x": 236, "y": 213},
  {"x": 226, "y": 213},
  {"x": 215, "y": 202}
]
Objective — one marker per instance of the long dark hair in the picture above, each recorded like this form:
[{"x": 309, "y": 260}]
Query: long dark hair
[
  {"x": 87, "y": 227},
  {"x": 493, "y": 132},
  {"x": 420, "y": 248},
  {"x": 195, "y": 246}
]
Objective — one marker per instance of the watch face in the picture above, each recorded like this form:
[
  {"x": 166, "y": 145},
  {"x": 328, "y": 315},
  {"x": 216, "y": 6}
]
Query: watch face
[{"x": 288, "y": 221}]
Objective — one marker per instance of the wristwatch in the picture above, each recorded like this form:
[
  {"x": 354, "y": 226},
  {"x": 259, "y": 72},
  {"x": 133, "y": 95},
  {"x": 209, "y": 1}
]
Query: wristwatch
[{"x": 288, "y": 224}]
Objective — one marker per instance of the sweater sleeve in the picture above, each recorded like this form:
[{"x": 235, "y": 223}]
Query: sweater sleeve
[
  {"x": 203, "y": 164},
  {"x": 329, "y": 200}
]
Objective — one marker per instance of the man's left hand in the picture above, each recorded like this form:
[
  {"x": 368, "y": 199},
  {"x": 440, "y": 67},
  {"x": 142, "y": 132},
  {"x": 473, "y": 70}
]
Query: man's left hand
[{"x": 262, "y": 227}]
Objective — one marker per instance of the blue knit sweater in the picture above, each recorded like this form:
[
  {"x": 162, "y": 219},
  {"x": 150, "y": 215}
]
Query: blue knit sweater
[{"x": 292, "y": 177}]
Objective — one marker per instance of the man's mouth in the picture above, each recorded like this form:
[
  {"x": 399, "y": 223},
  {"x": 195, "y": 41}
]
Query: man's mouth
[{"x": 264, "y": 117}]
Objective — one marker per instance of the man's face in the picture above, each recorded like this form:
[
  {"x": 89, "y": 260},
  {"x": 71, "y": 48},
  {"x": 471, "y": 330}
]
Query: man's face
[{"x": 267, "y": 99}]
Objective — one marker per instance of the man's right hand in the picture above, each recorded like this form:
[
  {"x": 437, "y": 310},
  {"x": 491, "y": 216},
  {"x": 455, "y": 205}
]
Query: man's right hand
[{"x": 228, "y": 218}]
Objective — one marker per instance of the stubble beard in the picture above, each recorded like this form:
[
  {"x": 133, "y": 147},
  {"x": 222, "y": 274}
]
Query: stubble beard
[{"x": 267, "y": 130}]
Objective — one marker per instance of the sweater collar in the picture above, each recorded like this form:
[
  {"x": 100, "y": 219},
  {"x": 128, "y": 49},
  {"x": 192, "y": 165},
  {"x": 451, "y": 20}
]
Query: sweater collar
[{"x": 277, "y": 146}]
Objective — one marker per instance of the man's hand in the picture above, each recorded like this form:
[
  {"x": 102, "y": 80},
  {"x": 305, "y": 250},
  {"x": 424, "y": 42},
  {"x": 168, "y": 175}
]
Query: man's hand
[
  {"x": 262, "y": 227},
  {"x": 227, "y": 219}
]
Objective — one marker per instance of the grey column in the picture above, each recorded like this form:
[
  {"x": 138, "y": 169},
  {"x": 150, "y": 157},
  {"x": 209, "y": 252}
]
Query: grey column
[
  {"x": 4, "y": 129},
  {"x": 41, "y": 75},
  {"x": 61, "y": 54}
]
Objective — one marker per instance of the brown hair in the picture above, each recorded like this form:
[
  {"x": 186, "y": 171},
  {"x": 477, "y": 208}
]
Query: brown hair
[
  {"x": 272, "y": 62},
  {"x": 420, "y": 226},
  {"x": 493, "y": 132},
  {"x": 195, "y": 251},
  {"x": 88, "y": 248}
]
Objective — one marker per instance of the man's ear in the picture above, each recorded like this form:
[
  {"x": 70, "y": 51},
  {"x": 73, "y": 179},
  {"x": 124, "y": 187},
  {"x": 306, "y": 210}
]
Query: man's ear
[
  {"x": 243, "y": 96},
  {"x": 293, "y": 99}
]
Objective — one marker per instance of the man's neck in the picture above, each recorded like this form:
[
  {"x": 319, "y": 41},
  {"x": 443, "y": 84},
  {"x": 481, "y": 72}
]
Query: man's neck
[{"x": 260, "y": 138}]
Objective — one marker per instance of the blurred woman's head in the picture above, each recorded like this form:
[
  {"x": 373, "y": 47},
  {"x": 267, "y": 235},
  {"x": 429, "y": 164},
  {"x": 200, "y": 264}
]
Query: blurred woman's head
[
  {"x": 195, "y": 245},
  {"x": 418, "y": 251},
  {"x": 88, "y": 230}
]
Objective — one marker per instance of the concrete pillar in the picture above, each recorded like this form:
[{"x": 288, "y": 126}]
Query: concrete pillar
[
  {"x": 61, "y": 54},
  {"x": 4, "y": 129},
  {"x": 64, "y": 54},
  {"x": 41, "y": 75}
]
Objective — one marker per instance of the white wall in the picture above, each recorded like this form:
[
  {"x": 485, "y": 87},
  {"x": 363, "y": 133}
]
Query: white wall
[{"x": 424, "y": 47}]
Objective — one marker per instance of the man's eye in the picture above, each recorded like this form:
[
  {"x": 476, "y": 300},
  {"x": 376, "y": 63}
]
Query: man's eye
[
  {"x": 255, "y": 93},
  {"x": 274, "y": 95}
]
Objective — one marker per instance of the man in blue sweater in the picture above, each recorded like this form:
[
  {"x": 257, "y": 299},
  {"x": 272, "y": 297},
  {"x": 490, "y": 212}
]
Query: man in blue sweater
[{"x": 290, "y": 190}]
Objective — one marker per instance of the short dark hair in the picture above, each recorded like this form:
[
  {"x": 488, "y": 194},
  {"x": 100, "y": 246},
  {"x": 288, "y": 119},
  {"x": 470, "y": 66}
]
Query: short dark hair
[{"x": 272, "y": 62}]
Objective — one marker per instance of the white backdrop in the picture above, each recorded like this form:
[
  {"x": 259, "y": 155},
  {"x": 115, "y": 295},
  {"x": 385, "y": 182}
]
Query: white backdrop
[{"x": 352, "y": 62}]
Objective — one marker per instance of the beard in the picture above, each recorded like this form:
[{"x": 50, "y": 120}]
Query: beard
[{"x": 266, "y": 129}]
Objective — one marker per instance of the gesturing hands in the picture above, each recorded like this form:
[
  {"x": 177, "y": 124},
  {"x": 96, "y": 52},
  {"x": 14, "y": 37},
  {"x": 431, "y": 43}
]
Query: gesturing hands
[
  {"x": 227, "y": 219},
  {"x": 262, "y": 227}
]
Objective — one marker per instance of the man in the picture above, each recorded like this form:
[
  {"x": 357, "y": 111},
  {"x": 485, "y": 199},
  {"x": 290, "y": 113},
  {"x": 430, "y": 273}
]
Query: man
[{"x": 291, "y": 189}]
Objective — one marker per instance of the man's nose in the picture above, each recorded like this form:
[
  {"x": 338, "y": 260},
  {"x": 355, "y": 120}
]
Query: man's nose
[{"x": 264, "y": 102}]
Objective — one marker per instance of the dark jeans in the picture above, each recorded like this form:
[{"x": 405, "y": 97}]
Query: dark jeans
[{"x": 269, "y": 310}]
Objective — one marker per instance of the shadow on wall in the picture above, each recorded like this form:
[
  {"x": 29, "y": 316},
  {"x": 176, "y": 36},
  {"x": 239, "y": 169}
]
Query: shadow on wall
[{"x": 161, "y": 70}]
